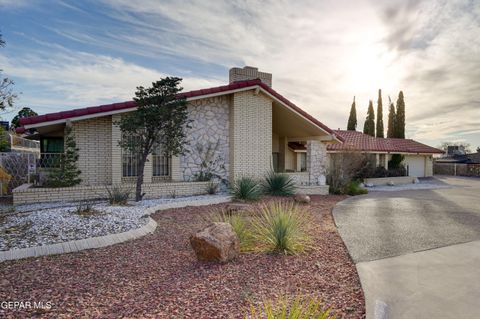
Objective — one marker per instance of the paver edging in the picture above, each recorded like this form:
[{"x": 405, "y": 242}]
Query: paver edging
[{"x": 102, "y": 241}]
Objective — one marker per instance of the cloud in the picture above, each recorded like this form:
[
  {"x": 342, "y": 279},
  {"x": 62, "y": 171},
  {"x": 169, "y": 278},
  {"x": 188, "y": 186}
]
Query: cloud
[
  {"x": 70, "y": 78},
  {"x": 321, "y": 54}
]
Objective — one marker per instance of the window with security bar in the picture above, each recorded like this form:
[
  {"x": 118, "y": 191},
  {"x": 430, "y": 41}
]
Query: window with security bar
[
  {"x": 130, "y": 159},
  {"x": 160, "y": 163}
]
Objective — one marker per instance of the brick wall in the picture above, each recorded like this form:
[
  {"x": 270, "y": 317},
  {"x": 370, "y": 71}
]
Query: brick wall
[
  {"x": 93, "y": 138},
  {"x": 26, "y": 195},
  {"x": 250, "y": 135}
]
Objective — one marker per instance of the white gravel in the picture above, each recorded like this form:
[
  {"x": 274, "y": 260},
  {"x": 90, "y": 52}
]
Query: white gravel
[{"x": 49, "y": 223}]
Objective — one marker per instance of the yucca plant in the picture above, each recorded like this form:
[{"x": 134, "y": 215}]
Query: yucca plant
[
  {"x": 246, "y": 188},
  {"x": 278, "y": 184},
  {"x": 282, "y": 227},
  {"x": 240, "y": 225},
  {"x": 117, "y": 195},
  {"x": 297, "y": 308}
]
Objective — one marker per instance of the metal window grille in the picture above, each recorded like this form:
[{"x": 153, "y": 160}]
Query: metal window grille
[
  {"x": 130, "y": 159},
  {"x": 161, "y": 163}
]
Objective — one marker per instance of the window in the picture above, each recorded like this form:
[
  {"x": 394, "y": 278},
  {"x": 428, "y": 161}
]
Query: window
[
  {"x": 303, "y": 162},
  {"x": 161, "y": 163},
  {"x": 129, "y": 159}
]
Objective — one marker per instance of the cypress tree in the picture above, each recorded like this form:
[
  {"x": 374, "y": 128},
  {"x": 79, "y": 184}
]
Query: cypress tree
[
  {"x": 380, "y": 115},
  {"x": 352, "y": 119},
  {"x": 391, "y": 119},
  {"x": 369, "y": 126},
  {"x": 66, "y": 172},
  {"x": 400, "y": 117}
]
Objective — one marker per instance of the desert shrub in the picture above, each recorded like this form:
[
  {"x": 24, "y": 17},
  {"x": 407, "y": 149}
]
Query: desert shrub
[
  {"x": 298, "y": 308},
  {"x": 246, "y": 188},
  {"x": 278, "y": 184},
  {"x": 212, "y": 187},
  {"x": 391, "y": 172},
  {"x": 240, "y": 225},
  {"x": 118, "y": 195},
  {"x": 85, "y": 208},
  {"x": 282, "y": 227},
  {"x": 353, "y": 188}
]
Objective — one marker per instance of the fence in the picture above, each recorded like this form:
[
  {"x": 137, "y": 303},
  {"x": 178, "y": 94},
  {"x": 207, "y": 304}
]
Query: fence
[
  {"x": 17, "y": 168},
  {"x": 456, "y": 169},
  {"x": 14, "y": 170}
]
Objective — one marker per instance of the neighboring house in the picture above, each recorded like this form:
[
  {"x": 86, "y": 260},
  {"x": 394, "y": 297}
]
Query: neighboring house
[
  {"x": 418, "y": 157},
  {"x": 472, "y": 158},
  {"x": 246, "y": 124}
]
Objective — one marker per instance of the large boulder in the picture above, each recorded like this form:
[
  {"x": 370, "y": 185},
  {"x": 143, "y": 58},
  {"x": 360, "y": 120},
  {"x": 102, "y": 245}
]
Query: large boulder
[{"x": 217, "y": 242}]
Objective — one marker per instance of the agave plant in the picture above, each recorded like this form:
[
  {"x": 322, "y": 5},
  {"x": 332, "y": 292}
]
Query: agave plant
[
  {"x": 278, "y": 184},
  {"x": 240, "y": 225},
  {"x": 246, "y": 188},
  {"x": 282, "y": 227},
  {"x": 297, "y": 308}
]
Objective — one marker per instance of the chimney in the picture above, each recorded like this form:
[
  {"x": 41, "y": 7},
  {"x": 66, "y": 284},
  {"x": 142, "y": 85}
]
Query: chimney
[{"x": 249, "y": 73}]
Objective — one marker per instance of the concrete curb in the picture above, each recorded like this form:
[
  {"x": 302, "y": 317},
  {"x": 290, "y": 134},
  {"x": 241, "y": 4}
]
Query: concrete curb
[{"x": 107, "y": 240}]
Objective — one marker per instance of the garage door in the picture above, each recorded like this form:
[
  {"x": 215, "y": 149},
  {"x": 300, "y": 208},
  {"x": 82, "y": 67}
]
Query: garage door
[{"x": 416, "y": 165}]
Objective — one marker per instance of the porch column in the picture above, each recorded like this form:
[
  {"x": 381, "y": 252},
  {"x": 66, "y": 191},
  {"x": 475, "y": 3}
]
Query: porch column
[
  {"x": 116, "y": 151},
  {"x": 316, "y": 162}
]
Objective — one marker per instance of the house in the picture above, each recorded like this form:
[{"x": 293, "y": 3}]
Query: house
[
  {"x": 246, "y": 126},
  {"x": 418, "y": 157}
]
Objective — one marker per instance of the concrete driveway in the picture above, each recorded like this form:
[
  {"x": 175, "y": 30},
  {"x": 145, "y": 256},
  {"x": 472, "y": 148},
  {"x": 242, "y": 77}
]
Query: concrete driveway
[{"x": 417, "y": 252}]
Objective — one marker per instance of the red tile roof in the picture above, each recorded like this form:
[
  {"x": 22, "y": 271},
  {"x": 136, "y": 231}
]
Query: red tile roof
[
  {"x": 197, "y": 93},
  {"x": 357, "y": 141}
]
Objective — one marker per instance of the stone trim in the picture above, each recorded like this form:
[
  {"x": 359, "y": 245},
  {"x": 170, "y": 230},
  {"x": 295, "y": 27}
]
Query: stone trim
[
  {"x": 107, "y": 240},
  {"x": 78, "y": 245}
]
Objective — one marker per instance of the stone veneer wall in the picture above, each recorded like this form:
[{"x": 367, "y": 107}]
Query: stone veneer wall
[
  {"x": 93, "y": 138},
  {"x": 25, "y": 194},
  {"x": 210, "y": 127},
  {"x": 250, "y": 135},
  {"x": 316, "y": 160}
]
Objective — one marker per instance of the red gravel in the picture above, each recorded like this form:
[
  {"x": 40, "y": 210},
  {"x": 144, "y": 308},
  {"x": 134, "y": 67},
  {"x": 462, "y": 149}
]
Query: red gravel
[{"x": 157, "y": 276}]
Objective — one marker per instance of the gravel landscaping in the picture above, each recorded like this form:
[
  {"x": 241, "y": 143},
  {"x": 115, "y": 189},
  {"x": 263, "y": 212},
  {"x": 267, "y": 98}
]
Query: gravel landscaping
[
  {"x": 157, "y": 276},
  {"x": 50, "y": 223}
]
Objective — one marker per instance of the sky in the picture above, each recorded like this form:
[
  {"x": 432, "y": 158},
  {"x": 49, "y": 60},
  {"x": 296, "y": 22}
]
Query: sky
[{"x": 68, "y": 54}]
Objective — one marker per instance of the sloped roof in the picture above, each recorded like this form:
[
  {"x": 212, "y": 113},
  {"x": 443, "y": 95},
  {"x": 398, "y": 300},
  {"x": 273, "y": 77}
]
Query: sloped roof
[
  {"x": 102, "y": 110},
  {"x": 357, "y": 141}
]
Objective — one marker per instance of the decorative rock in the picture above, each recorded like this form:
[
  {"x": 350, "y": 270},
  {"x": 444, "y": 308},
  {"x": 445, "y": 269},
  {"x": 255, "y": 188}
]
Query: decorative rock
[
  {"x": 217, "y": 242},
  {"x": 238, "y": 208},
  {"x": 368, "y": 185},
  {"x": 302, "y": 198},
  {"x": 390, "y": 183},
  {"x": 416, "y": 181}
]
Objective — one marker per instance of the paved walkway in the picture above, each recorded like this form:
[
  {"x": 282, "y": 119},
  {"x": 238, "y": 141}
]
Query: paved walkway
[{"x": 399, "y": 241}]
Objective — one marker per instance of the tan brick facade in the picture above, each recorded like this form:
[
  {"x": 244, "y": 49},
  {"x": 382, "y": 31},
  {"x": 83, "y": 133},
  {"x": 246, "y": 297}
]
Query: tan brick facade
[
  {"x": 250, "y": 135},
  {"x": 93, "y": 138},
  {"x": 26, "y": 195}
]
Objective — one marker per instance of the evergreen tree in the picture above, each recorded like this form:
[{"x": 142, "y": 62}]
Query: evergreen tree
[
  {"x": 391, "y": 119},
  {"x": 352, "y": 119},
  {"x": 369, "y": 125},
  {"x": 380, "y": 115},
  {"x": 66, "y": 173},
  {"x": 161, "y": 119},
  {"x": 400, "y": 117}
]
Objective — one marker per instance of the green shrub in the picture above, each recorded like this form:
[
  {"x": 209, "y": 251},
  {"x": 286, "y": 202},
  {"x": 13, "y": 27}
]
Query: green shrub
[
  {"x": 297, "y": 308},
  {"x": 353, "y": 188},
  {"x": 282, "y": 227},
  {"x": 212, "y": 187},
  {"x": 118, "y": 195},
  {"x": 246, "y": 188},
  {"x": 240, "y": 225},
  {"x": 278, "y": 184}
]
